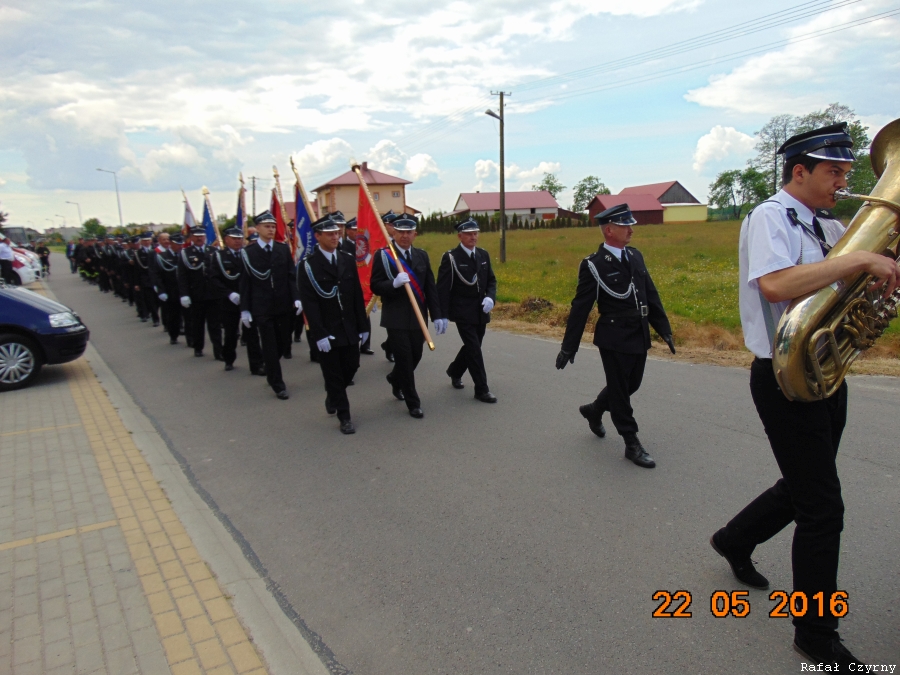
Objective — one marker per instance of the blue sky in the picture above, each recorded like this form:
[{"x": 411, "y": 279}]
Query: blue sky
[{"x": 172, "y": 94}]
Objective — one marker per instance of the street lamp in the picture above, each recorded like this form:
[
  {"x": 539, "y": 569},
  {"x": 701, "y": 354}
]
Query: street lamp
[
  {"x": 502, "y": 175},
  {"x": 80, "y": 221},
  {"x": 118, "y": 200},
  {"x": 63, "y": 217}
]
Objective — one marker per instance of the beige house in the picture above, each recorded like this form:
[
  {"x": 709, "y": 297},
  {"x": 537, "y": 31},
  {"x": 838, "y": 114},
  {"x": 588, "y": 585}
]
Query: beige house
[{"x": 342, "y": 193}]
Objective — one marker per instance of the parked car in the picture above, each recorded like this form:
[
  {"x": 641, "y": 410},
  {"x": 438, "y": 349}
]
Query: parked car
[
  {"x": 35, "y": 331},
  {"x": 23, "y": 267}
]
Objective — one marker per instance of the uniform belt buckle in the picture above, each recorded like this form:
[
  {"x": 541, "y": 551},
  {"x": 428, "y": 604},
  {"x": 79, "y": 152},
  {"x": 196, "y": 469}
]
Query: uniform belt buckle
[{"x": 645, "y": 311}]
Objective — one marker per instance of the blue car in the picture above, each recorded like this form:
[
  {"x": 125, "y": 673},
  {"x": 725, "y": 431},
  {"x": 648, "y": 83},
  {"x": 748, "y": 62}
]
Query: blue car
[{"x": 35, "y": 331}]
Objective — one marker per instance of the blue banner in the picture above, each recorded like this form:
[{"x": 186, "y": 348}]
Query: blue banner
[
  {"x": 303, "y": 223},
  {"x": 208, "y": 223}
]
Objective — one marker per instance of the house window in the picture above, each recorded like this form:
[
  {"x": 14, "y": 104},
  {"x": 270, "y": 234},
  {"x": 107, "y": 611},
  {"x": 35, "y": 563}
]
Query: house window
[
  {"x": 532, "y": 211},
  {"x": 375, "y": 196},
  {"x": 395, "y": 195}
]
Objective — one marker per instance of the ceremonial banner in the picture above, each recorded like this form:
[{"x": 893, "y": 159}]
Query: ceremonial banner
[
  {"x": 303, "y": 218},
  {"x": 209, "y": 222},
  {"x": 241, "y": 207},
  {"x": 275, "y": 209},
  {"x": 189, "y": 220},
  {"x": 369, "y": 239}
]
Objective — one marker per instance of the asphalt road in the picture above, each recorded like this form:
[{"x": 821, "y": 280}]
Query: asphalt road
[{"x": 507, "y": 538}]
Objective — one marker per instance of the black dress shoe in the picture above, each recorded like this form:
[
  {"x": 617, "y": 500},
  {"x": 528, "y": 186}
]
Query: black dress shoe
[
  {"x": 827, "y": 651},
  {"x": 347, "y": 427},
  {"x": 417, "y": 413},
  {"x": 173, "y": 341},
  {"x": 283, "y": 395},
  {"x": 156, "y": 324},
  {"x": 288, "y": 356},
  {"x": 229, "y": 366},
  {"x": 741, "y": 567},
  {"x": 330, "y": 409},
  {"x": 486, "y": 397},
  {"x": 218, "y": 357},
  {"x": 366, "y": 351},
  {"x": 456, "y": 382},
  {"x": 198, "y": 352},
  {"x": 258, "y": 371},
  {"x": 351, "y": 383},
  {"x": 595, "y": 422},
  {"x": 636, "y": 453},
  {"x": 314, "y": 358},
  {"x": 395, "y": 390},
  {"x": 297, "y": 339},
  {"x": 143, "y": 319}
]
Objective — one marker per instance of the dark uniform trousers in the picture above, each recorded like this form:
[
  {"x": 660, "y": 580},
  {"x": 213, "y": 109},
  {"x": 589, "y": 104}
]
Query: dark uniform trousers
[
  {"x": 339, "y": 367},
  {"x": 405, "y": 339},
  {"x": 170, "y": 310},
  {"x": 231, "y": 327},
  {"x": 464, "y": 281},
  {"x": 804, "y": 439},
  {"x": 274, "y": 336},
  {"x": 205, "y": 314},
  {"x": 622, "y": 332}
]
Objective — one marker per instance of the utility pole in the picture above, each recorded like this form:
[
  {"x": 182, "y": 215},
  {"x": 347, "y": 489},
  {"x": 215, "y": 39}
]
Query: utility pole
[
  {"x": 502, "y": 173},
  {"x": 80, "y": 221},
  {"x": 118, "y": 199},
  {"x": 253, "y": 180}
]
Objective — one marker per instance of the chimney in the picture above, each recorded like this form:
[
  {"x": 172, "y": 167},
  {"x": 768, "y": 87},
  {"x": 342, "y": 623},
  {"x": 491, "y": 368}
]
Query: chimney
[{"x": 365, "y": 166}]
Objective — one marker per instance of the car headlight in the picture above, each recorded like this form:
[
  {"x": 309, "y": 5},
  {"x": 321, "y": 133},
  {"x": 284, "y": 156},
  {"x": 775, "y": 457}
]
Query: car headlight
[{"x": 63, "y": 320}]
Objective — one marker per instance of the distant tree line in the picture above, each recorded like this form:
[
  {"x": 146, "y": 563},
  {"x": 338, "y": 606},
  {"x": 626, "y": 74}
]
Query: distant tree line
[{"x": 735, "y": 191}]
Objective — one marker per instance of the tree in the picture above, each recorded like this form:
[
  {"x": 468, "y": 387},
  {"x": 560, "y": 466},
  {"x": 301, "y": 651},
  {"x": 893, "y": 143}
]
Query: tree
[
  {"x": 585, "y": 191},
  {"x": 3, "y": 217},
  {"x": 551, "y": 184},
  {"x": 92, "y": 228},
  {"x": 736, "y": 189}
]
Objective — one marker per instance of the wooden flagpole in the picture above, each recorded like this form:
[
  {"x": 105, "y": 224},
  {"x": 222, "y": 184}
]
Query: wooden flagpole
[
  {"x": 387, "y": 237},
  {"x": 293, "y": 243},
  {"x": 212, "y": 217}
]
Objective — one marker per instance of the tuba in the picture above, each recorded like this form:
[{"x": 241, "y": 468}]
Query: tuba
[{"x": 821, "y": 334}]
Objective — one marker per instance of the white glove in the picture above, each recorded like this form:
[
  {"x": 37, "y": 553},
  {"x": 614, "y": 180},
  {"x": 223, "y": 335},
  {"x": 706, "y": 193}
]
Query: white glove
[
  {"x": 246, "y": 319},
  {"x": 299, "y": 306},
  {"x": 324, "y": 345},
  {"x": 400, "y": 279},
  {"x": 185, "y": 301},
  {"x": 440, "y": 326},
  {"x": 163, "y": 296},
  {"x": 235, "y": 298},
  {"x": 363, "y": 337},
  {"x": 487, "y": 305}
]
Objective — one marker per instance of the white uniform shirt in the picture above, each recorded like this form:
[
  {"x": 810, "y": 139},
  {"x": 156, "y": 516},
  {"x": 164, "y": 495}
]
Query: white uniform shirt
[
  {"x": 770, "y": 242},
  {"x": 615, "y": 251},
  {"x": 6, "y": 253}
]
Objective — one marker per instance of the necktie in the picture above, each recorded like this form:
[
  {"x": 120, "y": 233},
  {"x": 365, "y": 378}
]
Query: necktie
[
  {"x": 408, "y": 257},
  {"x": 268, "y": 248},
  {"x": 334, "y": 259},
  {"x": 820, "y": 233},
  {"x": 472, "y": 255}
]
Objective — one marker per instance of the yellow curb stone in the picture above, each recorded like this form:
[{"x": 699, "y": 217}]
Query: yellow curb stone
[
  {"x": 208, "y": 589},
  {"x": 230, "y": 631},
  {"x": 187, "y": 668},
  {"x": 211, "y": 654},
  {"x": 169, "y": 624},
  {"x": 244, "y": 657},
  {"x": 178, "y": 648},
  {"x": 189, "y": 606},
  {"x": 199, "y": 629}
]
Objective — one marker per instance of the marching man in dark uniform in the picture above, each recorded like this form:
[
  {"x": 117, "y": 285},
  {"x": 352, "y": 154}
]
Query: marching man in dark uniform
[
  {"x": 198, "y": 295},
  {"x": 225, "y": 270},
  {"x": 467, "y": 289},
  {"x": 348, "y": 244},
  {"x": 269, "y": 297},
  {"x": 164, "y": 273},
  {"x": 332, "y": 299},
  {"x": 405, "y": 339},
  {"x": 616, "y": 278},
  {"x": 143, "y": 284}
]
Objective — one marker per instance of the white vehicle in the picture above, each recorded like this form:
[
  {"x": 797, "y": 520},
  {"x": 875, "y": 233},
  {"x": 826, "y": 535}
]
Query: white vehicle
[{"x": 24, "y": 267}]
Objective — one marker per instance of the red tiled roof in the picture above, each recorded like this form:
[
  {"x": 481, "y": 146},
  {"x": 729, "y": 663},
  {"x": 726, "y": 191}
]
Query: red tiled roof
[
  {"x": 636, "y": 202},
  {"x": 490, "y": 201},
  {"x": 371, "y": 177},
  {"x": 655, "y": 189},
  {"x": 292, "y": 211}
]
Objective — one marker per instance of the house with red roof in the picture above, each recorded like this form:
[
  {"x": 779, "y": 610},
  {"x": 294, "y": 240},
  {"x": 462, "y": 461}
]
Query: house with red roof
[
  {"x": 526, "y": 206},
  {"x": 655, "y": 203},
  {"x": 342, "y": 193}
]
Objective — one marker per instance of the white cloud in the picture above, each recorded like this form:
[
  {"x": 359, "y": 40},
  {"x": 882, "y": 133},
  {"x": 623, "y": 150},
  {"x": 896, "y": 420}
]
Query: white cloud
[
  {"x": 2, "y": 182},
  {"x": 324, "y": 155},
  {"x": 487, "y": 172},
  {"x": 386, "y": 156},
  {"x": 722, "y": 143},
  {"x": 810, "y": 74}
]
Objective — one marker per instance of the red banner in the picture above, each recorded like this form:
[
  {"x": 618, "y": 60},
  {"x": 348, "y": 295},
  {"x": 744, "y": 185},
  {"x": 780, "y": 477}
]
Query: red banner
[
  {"x": 275, "y": 209},
  {"x": 369, "y": 239}
]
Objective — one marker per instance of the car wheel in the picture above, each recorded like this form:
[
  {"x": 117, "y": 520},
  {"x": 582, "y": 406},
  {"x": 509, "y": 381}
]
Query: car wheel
[{"x": 19, "y": 362}]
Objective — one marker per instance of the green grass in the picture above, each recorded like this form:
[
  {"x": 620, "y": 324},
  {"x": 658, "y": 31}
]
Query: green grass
[{"x": 694, "y": 266}]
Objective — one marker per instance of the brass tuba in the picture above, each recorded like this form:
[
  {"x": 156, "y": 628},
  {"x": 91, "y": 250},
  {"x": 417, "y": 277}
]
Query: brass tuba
[{"x": 821, "y": 334}]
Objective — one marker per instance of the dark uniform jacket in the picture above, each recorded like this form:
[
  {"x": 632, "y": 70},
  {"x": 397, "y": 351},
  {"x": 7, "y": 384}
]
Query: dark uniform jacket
[
  {"x": 192, "y": 277},
  {"x": 164, "y": 273},
  {"x": 348, "y": 246},
  {"x": 396, "y": 311},
  {"x": 143, "y": 261},
  {"x": 225, "y": 268},
  {"x": 624, "y": 323},
  {"x": 460, "y": 301},
  {"x": 275, "y": 292},
  {"x": 344, "y": 318}
]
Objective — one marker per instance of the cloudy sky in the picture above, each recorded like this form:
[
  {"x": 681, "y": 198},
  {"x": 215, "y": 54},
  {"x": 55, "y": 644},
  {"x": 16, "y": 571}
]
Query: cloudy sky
[{"x": 186, "y": 94}]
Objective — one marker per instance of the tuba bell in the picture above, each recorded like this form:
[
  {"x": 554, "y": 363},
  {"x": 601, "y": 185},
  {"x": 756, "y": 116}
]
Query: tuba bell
[{"x": 821, "y": 334}]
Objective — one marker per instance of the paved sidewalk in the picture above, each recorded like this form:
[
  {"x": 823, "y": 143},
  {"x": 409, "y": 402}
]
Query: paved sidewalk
[{"x": 98, "y": 573}]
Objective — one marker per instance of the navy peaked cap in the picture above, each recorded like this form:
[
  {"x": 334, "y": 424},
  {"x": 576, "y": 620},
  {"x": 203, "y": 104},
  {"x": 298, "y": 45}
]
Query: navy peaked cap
[
  {"x": 405, "y": 221},
  {"x": 351, "y": 224},
  {"x": 264, "y": 217},
  {"x": 616, "y": 215},
  {"x": 234, "y": 232},
  {"x": 325, "y": 224},
  {"x": 389, "y": 217},
  {"x": 176, "y": 239},
  {"x": 198, "y": 230},
  {"x": 831, "y": 142},
  {"x": 468, "y": 226},
  {"x": 337, "y": 217}
]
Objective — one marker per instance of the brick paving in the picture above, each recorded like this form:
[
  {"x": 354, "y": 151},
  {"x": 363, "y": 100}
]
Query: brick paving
[{"x": 97, "y": 573}]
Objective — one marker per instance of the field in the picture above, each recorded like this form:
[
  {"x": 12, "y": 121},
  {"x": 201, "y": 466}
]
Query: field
[{"x": 694, "y": 266}]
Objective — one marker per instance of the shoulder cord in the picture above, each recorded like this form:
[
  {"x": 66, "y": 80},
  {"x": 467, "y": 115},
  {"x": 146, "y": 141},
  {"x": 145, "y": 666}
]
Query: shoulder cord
[
  {"x": 387, "y": 265},
  {"x": 230, "y": 277},
  {"x": 187, "y": 263},
  {"x": 474, "y": 281},
  {"x": 826, "y": 247},
  {"x": 137, "y": 257},
  {"x": 165, "y": 265},
  {"x": 259, "y": 275},
  {"x": 609, "y": 291},
  {"x": 321, "y": 293}
]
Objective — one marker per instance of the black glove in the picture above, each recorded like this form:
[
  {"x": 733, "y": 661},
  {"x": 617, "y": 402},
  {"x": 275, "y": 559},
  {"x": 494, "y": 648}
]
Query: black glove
[
  {"x": 668, "y": 340},
  {"x": 563, "y": 358}
]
